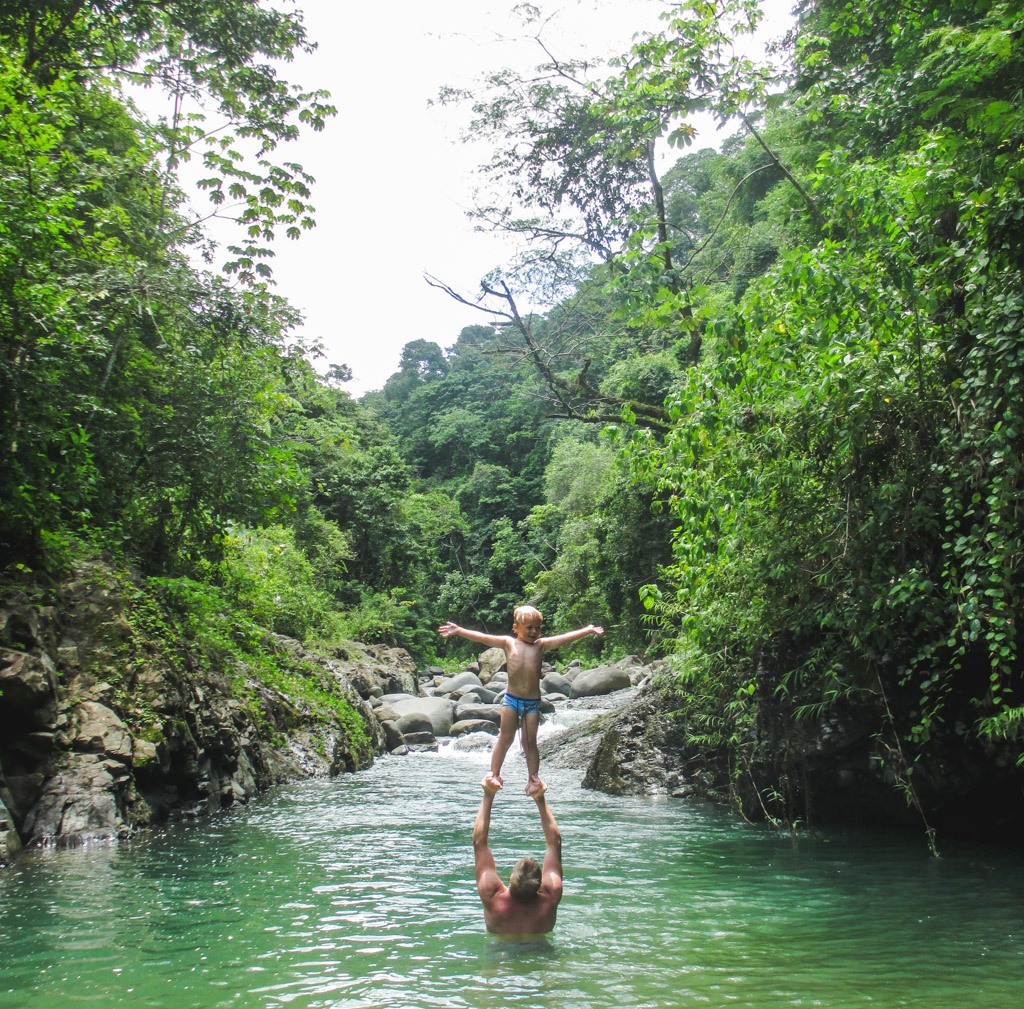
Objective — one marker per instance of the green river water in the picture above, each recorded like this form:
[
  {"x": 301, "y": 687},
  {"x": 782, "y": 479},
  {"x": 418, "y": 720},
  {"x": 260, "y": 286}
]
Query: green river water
[{"x": 358, "y": 892}]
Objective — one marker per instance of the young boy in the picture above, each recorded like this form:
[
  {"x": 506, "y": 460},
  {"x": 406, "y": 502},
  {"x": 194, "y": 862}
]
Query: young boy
[{"x": 524, "y": 653}]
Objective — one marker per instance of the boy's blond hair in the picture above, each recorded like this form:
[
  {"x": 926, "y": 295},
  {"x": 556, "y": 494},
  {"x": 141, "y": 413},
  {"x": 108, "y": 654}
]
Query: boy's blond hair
[{"x": 522, "y": 613}]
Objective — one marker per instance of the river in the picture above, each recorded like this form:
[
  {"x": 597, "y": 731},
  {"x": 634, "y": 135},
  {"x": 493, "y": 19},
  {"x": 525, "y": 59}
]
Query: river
[{"x": 357, "y": 893}]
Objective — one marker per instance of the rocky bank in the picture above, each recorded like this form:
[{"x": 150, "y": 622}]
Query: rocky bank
[{"x": 106, "y": 727}]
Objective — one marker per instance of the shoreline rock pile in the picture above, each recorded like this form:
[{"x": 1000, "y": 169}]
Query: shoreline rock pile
[{"x": 470, "y": 702}]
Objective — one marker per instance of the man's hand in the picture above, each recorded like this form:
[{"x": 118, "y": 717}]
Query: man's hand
[
  {"x": 536, "y": 789},
  {"x": 491, "y": 783}
]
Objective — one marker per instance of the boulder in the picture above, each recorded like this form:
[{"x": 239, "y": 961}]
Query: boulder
[
  {"x": 477, "y": 712},
  {"x": 390, "y": 699},
  {"x": 385, "y": 713},
  {"x": 460, "y": 681},
  {"x": 98, "y": 730},
  {"x": 639, "y": 752},
  {"x": 467, "y": 725},
  {"x": 414, "y": 739},
  {"x": 600, "y": 680},
  {"x": 490, "y": 662},
  {"x": 439, "y": 710},
  {"x": 473, "y": 742},
  {"x": 393, "y": 737},
  {"x": 28, "y": 685},
  {"x": 414, "y": 721},
  {"x": 10, "y": 843},
  {"x": 556, "y": 683},
  {"x": 79, "y": 803}
]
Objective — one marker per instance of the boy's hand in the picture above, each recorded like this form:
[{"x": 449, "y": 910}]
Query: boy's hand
[
  {"x": 448, "y": 629},
  {"x": 599, "y": 631}
]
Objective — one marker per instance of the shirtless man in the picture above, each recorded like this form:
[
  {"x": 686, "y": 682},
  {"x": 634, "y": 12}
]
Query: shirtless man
[
  {"x": 528, "y": 905},
  {"x": 524, "y": 654}
]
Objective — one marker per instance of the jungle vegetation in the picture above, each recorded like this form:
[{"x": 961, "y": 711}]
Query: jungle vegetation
[{"x": 758, "y": 409}]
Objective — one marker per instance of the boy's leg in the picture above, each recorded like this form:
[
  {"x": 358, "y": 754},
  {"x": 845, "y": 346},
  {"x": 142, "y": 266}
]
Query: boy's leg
[
  {"x": 506, "y": 733},
  {"x": 530, "y": 723}
]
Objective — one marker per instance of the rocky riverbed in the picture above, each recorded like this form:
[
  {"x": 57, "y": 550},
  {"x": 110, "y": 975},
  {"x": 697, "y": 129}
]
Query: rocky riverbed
[{"x": 107, "y": 728}]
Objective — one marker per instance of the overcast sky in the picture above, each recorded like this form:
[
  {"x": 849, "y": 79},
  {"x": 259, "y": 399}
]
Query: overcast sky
[{"x": 393, "y": 183}]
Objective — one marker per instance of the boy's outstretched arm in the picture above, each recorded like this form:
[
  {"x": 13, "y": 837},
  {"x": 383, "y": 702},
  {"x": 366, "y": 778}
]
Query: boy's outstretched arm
[
  {"x": 557, "y": 640},
  {"x": 446, "y": 630}
]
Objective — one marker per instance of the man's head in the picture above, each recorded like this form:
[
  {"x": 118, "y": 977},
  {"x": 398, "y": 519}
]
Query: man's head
[
  {"x": 528, "y": 623},
  {"x": 524, "y": 882}
]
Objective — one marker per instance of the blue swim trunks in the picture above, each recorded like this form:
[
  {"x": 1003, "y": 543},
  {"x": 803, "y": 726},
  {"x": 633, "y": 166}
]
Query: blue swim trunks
[{"x": 522, "y": 705}]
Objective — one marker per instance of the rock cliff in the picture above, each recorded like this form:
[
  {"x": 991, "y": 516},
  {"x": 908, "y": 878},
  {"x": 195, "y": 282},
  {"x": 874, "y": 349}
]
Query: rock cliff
[{"x": 106, "y": 727}]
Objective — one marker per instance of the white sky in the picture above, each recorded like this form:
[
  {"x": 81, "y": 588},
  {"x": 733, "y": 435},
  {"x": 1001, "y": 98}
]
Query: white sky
[{"x": 393, "y": 183}]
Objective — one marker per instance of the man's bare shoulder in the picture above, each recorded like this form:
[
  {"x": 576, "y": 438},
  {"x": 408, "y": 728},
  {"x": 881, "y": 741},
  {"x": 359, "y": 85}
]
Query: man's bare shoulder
[{"x": 507, "y": 916}]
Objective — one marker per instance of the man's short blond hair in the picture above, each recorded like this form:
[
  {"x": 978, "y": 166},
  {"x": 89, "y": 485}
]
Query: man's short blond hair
[
  {"x": 523, "y": 613},
  {"x": 525, "y": 880}
]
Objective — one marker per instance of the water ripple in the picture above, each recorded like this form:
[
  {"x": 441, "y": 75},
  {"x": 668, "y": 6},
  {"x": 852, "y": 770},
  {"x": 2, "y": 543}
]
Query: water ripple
[{"x": 357, "y": 893}]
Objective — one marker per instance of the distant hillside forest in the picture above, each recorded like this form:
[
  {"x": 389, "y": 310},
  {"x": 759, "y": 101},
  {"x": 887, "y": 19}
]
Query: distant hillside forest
[{"x": 757, "y": 409}]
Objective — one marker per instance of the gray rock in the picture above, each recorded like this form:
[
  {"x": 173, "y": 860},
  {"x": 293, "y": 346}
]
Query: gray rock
[
  {"x": 413, "y": 722},
  {"x": 477, "y": 712},
  {"x": 640, "y": 751},
  {"x": 439, "y": 710},
  {"x": 423, "y": 747},
  {"x": 10, "y": 842},
  {"x": 99, "y": 730},
  {"x": 460, "y": 681},
  {"x": 391, "y": 698},
  {"x": 556, "y": 683},
  {"x": 78, "y": 804},
  {"x": 490, "y": 662},
  {"x": 393, "y": 737},
  {"x": 467, "y": 725},
  {"x": 385, "y": 713},
  {"x": 473, "y": 742},
  {"x": 498, "y": 681},
  {"x": 600, "y": 680},
  {"x": 28, "y": 685}
]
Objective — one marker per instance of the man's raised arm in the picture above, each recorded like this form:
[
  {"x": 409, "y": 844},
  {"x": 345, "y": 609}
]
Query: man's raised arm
[
  {"x": 488, "y": 882},
  {"x": 551, "y": 872}
]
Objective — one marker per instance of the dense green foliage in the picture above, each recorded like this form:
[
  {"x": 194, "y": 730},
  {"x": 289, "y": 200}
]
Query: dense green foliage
[
  {"x": 829, "y": 310},
  {"x": 769, "y": 422}
]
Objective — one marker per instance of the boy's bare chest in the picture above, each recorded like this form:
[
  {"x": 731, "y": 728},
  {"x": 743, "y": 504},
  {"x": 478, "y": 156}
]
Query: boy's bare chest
[{"x": 524, "y": 658}]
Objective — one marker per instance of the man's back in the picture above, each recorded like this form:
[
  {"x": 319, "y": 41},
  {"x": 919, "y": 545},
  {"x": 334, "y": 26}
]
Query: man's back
[{"x": 505, "y": 915}]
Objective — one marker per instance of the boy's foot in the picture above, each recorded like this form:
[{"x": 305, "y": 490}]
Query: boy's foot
[{"x": 535, "y": 788}]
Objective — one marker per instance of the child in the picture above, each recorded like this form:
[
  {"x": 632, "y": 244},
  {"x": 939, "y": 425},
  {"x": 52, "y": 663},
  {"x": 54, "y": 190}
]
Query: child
[{"x": 524, "y": 653}]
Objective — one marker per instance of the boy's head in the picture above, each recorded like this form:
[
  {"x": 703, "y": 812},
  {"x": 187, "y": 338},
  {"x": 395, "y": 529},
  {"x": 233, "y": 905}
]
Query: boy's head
[
  {"x": 527, "y": 623},
  {"x": 524, "y": 882}
]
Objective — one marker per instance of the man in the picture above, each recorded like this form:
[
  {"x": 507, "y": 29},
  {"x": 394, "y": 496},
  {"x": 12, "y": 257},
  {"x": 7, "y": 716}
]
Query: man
[{"x": 529, "y": 903}]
